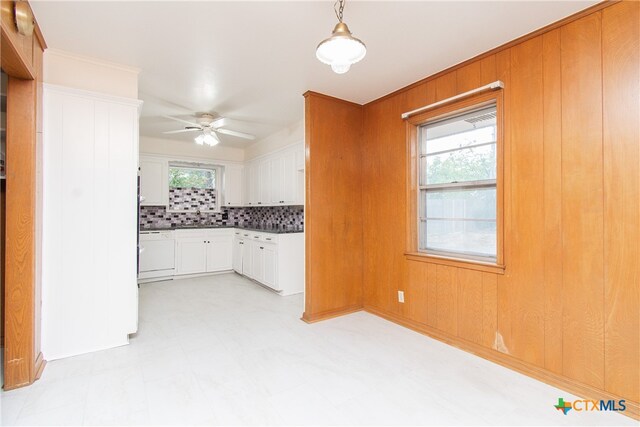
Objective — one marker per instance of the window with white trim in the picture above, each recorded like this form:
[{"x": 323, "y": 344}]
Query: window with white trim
[
  {"x": 194, "y": 187},
  {"x": 457, "y": 185}
]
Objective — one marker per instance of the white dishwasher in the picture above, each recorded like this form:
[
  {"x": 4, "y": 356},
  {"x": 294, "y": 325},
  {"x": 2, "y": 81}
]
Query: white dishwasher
[{"x": 157, "y": 255}]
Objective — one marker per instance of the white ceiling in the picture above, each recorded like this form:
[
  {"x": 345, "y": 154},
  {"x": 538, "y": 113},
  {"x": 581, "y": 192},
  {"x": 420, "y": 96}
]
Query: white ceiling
[{"x": 252, "y": 61}]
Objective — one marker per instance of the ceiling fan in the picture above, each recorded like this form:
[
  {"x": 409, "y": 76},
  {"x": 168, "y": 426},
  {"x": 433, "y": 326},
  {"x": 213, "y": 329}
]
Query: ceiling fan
[{"x": 209, "y": 125}]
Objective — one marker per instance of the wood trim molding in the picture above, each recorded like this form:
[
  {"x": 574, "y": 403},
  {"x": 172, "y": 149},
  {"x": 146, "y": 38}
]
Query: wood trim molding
[
  {"x": 548, "y": 377},
  {"x": 453, "y": 262},
  {"x": 313, "y": 318},
  {"x": 20, "y": 263},
  {"x": 13, "y": 61},
  {"x": 332, "y": 98},
  {"x": 40, "y": 364},
  {"x": 22, "y": 61},
  {"x": 581, "y": 14}
]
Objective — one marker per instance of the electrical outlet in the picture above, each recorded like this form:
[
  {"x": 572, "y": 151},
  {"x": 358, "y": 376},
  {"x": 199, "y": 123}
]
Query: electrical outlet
[{"x": 401, "y": 296}]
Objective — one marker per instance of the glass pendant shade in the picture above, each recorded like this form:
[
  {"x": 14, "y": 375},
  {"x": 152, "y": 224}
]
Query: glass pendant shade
[
  {"x": 209, "y": 139},
  {"x": 341, "y": 50}
]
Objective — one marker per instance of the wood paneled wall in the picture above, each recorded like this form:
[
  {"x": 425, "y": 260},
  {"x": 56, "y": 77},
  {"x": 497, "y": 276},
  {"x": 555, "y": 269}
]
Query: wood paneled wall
[
  {"x": 22, "y": 61},
  {"x": 568, "y": 302},
  {"x": 333, "y": 134},
  {"x": 566, "y": 310}
]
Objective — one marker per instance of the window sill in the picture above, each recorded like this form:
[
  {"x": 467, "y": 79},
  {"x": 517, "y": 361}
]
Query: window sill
[{"x": 455, "y": 262}]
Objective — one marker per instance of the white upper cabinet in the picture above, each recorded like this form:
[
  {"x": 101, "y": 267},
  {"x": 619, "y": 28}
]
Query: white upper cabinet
[
  {"x": 276, "y": 179},
  {"x": 233, "y": 185},
  {"x": 290, "y": 179},
  {"x": 251, "y": 184},
  {"x": 154, "y": 181},
  {"x": 265, "y": 188}
]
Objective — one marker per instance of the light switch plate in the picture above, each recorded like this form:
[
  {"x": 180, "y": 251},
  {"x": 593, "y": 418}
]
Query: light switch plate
[{"x": 400, "y": 296}]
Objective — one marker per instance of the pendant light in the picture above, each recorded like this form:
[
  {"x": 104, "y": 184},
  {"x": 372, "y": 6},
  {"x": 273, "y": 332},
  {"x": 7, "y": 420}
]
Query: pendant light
[{"x": 341, "y": 50}]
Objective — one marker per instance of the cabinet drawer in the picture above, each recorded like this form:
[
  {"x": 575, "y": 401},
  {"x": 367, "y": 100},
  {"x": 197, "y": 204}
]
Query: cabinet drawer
[{"x": 263, "y": 237}]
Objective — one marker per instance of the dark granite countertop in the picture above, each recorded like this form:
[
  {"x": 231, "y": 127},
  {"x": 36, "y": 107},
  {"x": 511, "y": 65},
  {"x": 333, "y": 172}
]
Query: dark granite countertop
[{"x": 259, "y": 228}]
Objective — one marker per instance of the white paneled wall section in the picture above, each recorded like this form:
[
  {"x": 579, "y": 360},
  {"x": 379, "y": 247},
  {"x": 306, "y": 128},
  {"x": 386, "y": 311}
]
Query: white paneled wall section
[{"x": 90, "y": 296}]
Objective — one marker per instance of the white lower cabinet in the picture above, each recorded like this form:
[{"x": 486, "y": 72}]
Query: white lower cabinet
[
  {"x": 203, "y": 251},
  {"x": 269, "y": 258},
  {"x": 274, "y": 260},
  {"x": 219, "y": 253},
  {"x": 236, "y": 257},
  {"x": 191, "y": 255}
]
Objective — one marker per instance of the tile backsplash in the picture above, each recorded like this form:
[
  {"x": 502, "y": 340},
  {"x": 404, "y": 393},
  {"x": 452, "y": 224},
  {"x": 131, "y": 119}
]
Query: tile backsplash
[
  {"x": 186, "y": 199},
  {"x": 158, "y": 216}
]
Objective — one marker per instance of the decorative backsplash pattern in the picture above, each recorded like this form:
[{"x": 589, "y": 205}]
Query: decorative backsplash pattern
[
  {"x": 187, "y": 199},
  {"x": 268, "y": 216}
]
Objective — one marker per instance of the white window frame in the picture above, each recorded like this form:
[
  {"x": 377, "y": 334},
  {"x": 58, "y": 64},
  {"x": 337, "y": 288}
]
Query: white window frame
[
  {"x": 453, "y": 186},
  {"x": 218, "y": 172}
]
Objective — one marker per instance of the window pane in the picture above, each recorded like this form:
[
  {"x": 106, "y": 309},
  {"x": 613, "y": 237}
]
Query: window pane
[
  {"x": 191, "y": 178},
  {"x": 473, "y": 128},
  {"x": 466, "y": 164},
  {"x": 464, "y": 237},
  {"x": 461, "y": 204}
]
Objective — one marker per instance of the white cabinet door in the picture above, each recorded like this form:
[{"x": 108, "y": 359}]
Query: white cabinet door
[
  {"x": 247, "y": 265},
  {"x": 264, "y": 182},
  {"x": 290, "y": 179},
  {"x": 252, "y": 177},
  {"x": 276, "y": 182},
  {"x": 233, "y": 185},
  {"x": 270, "y": 260},
  {"x": 154, "y": 184},
  {"x": 191, "y": 255},
  {"x": 219, "y": 250},
  {"x": 257, "y": 261},
  {"x": 237, "y": 255}
]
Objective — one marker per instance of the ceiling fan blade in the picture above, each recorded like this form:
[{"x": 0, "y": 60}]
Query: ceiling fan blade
[
  {"x": 193, "y": 129},
  {"x": 234, "y": 133},
  {"x": 182, "y": 121},
  {"x": 219, "y": 122}
]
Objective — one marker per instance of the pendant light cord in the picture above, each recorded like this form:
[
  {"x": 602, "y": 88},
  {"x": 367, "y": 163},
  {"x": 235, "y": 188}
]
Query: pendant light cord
[{"x": 338, "y": 7}]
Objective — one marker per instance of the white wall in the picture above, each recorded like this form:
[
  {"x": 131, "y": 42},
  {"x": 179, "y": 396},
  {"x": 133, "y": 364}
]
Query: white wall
[
  {"x": 275, "y": 141},
  {"x": 81, "y": 72},
  {"x": 89, "y": 294},
  {"x": 181, "y": 149}
]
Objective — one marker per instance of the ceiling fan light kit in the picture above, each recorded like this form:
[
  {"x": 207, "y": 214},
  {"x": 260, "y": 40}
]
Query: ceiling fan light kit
[
  {"x": 341, "y": 50},
  {"x": 210, "y": 125},
  {"x": 209, "y": 139}
]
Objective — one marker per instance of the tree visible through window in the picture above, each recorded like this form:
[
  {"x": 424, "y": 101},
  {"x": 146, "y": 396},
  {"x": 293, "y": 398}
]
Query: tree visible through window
[
  {"x": 457, "y": 204},
  {"x": 186, "y": 177}
]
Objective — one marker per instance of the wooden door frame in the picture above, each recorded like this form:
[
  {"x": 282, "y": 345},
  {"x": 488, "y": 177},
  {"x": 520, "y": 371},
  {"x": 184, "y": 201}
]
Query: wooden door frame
[{"x": 21, "y": 58}]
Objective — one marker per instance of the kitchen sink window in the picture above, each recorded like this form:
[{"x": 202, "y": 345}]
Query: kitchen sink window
[
  {"x": 457, "y": 173},
  {"x": 193, "y": 188}
]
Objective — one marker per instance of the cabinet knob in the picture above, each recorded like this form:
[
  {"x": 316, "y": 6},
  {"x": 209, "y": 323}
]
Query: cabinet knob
[{"x": 261, "y": 247}]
